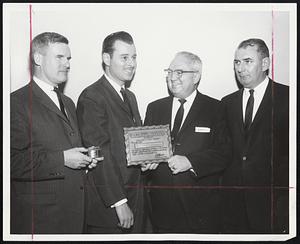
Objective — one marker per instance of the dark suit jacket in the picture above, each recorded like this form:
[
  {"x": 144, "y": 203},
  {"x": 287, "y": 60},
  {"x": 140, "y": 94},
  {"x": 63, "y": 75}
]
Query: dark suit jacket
[
  {"x": 46, "y": 196},
  {"x": 186, "y": 196},
  {"x": 102, "y": 115},
  {"x": 260, "y": 164}
]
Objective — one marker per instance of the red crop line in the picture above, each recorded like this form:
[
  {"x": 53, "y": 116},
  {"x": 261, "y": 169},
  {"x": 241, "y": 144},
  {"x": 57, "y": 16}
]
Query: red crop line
[
  {"x": 200, "y": 187},
  {"x": 273, "y": 45},
  {"x": 272, "y": 156},
  {"x": 30, "y": 121},
  {"x": 210, "y": 187}
]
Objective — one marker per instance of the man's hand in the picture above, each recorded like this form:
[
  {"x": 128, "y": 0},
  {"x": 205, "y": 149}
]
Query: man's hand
[
  {"x": 149, "y": 166},
  {"x": 125, "y": 216},
  {"x": 179, "y": 164},
  {"x": 76, "y": 159}
]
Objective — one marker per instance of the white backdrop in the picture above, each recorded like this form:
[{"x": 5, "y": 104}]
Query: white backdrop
[
  {"x": 212, "y": 31},
  {"x": 159, "y": 31}
]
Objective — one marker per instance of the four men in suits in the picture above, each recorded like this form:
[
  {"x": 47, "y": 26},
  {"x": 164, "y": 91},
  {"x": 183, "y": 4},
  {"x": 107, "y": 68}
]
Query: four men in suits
[
  {"x": 115, "y": 191},
  {"x": 47, "y": 183},
  {"x": 257, "y": 179},
  {"x": 183, "y": 193}
]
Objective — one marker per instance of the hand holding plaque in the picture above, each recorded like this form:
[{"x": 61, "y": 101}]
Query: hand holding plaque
[{"x": 147, "y": 144}]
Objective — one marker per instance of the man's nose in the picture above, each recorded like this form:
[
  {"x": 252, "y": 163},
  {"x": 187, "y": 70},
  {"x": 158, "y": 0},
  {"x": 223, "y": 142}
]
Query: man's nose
[
  {"x": 131, "y": 62},
  {"x": 240, "y": 67},
  {"x": 67, "y": 64}
]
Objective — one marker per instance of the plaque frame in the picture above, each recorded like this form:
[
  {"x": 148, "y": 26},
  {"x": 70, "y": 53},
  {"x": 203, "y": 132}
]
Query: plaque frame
[{"x": 152, "y": 158}]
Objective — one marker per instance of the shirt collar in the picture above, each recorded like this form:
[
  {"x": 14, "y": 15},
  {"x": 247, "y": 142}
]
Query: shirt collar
[
  {"x": 190, "y": 98},
  {"x": 43, "y": 85},
  {"x": 261, "y": 87},
  {"x": 115, "y": 85}
]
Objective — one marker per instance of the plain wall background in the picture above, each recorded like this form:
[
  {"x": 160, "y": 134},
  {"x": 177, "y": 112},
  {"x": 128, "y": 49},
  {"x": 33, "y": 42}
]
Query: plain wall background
[
  {"x": 212, "y": 31},
  {"x": 159, "y": 31}
]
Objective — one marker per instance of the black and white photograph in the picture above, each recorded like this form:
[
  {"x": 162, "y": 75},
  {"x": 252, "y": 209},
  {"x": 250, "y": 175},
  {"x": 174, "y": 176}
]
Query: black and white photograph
[{"x": 153, "y": 121}]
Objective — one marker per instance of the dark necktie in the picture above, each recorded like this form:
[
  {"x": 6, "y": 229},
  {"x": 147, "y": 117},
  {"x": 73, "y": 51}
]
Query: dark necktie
[
  {"x": 61, "y": 105},
  {"x": 249, "y": 111},
  {"x": 126, "y": 101},
  {"x": 178, "y": 119}
]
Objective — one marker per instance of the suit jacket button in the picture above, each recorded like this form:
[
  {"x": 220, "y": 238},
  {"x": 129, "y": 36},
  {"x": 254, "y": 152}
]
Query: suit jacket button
[
  {"x": 71, "y": 133},
  {"x": 244, "y": 158},
  {"x": 81, "y": 187}
]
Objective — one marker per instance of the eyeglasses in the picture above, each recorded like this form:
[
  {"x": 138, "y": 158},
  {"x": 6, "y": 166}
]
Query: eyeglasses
[{"x": 178, "y": 72}]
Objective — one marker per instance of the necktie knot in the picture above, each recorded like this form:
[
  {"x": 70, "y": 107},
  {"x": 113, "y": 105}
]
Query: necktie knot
[
  {"x": 182, "y": 101},
  {"x": 56, "y": 89},
  {"x": 251, "y": 92}
]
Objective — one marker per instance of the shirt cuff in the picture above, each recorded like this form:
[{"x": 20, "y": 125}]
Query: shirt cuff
[
  {"x": 119, "y": 203},
  {"x": 193, "y": 171}
]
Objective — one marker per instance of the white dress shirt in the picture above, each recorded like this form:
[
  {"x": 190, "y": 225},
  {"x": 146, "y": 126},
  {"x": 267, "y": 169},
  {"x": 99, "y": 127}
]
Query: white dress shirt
[
  {"x": 115, "y": 85},
  {"x": 48, "y": 89},
  {"x": 258, "y": 95},
  {"x": 187, "y": 106}
]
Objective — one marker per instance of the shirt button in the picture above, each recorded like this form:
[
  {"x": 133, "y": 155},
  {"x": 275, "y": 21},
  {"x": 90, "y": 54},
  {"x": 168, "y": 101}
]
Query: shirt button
[{"x": 244, "y": 158}]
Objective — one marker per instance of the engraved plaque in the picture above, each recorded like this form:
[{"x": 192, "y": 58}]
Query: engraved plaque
[{"x": 147, "y": 144}]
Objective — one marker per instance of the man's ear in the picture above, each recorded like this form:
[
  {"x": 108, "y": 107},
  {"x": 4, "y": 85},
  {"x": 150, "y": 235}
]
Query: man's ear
[
  {"x": 265, "y": 63},
  {"x": 37, "y": 58},
  {"x": 106, "y": 59},
  {"x": 197, "y": 77}
]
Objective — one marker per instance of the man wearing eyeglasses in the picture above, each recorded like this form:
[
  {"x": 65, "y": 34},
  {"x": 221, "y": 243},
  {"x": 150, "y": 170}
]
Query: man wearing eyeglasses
[{"x": 183, "y": 193}]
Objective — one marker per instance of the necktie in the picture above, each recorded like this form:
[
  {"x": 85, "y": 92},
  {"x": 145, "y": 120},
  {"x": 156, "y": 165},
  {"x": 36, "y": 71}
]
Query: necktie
[
  {"x": 61, "y": 105},
  {"x": 178, "y": 119},
  {"x": 249, "y": 111},
  {"x": 126, "y": 101}
]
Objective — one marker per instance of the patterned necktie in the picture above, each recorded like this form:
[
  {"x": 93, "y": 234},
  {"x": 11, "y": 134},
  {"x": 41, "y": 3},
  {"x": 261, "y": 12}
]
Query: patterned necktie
[
  {"x": 126, "y": 101},
  {"x": 178, "y": 119},
  {"x": 61, "y": 105},
  {"x": 249, "y": 111}
]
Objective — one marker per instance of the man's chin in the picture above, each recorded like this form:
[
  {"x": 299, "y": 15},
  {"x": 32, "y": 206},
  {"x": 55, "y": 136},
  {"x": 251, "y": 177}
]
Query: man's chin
[{"x": 128, "y": 78}]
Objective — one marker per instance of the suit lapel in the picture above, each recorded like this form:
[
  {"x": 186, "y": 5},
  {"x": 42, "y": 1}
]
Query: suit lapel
[
  {"x": 69, "y": 113},
  {"x": 134, "y": 107},
  {"x": 261, "y": 114},
  {"x": 193, "y": 113},
  {"x": 238, "y": 110},
  {"x": 115, "y": 95},
  {"x": 264, "y": 105},
  {"x": 44, "y": 99},
  {"x": 167, "y": 114}
]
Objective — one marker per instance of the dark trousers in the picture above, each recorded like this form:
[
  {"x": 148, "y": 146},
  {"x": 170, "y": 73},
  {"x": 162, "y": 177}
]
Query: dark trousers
[{"x": 105, "y": 230}]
